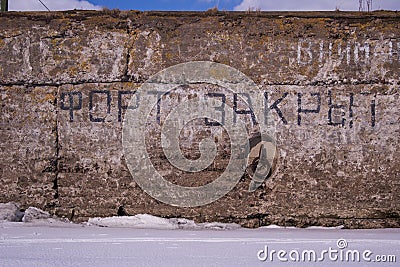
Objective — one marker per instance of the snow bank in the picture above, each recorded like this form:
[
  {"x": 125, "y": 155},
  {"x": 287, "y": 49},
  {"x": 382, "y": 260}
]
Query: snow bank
[
  {"x": 152, "y": 222},
  {"x": 11, "y": 213},
  {"x": 32, "y": 214},
  {"x": 325, "y": 227},
  {"x": 220, "y": 226},
  {"x": 138, "y": 221}
]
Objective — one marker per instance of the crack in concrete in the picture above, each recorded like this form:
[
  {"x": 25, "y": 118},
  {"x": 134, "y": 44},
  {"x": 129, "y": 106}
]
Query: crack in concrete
[{"x": 55, "y": 182}]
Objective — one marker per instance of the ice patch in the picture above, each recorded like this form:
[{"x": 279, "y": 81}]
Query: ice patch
[{"x": 325, "y": 228}]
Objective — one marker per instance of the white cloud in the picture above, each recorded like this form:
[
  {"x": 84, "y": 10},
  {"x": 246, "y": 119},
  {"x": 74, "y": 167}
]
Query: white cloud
[
  {"x": 53, "y": 5},
  {"x": 320, "y": 5}
]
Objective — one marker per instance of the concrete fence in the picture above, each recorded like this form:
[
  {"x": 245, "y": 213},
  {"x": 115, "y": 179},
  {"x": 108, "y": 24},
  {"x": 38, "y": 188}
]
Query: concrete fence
[{"x": 329, "y": 81}]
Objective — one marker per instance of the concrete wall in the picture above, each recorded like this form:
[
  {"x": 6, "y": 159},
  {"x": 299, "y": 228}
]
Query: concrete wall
[{"x": 332, "y": 86}]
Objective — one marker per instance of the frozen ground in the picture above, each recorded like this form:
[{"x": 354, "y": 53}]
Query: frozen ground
[{"x": 150, "y": 241}]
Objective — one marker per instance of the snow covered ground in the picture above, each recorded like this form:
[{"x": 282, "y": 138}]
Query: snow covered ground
[
  {"x": 35, "y": 238},
  {"x": 151, "y": 241}
]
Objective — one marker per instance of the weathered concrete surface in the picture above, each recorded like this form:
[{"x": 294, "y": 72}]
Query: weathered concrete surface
[
  {"x": 28, "y": 144},
  {"x": 332, "y": 81}
]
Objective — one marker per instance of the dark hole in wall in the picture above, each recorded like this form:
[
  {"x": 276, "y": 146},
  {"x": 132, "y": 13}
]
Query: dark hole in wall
[{"x": 121, "y": 211}]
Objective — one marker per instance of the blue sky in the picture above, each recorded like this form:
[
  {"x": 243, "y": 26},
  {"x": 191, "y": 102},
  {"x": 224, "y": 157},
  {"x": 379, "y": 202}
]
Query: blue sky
[{"x": 200, "y": 5}]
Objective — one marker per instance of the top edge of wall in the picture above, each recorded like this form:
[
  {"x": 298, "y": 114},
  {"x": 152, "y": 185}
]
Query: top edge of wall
[{"x": 82, "y": 14}]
